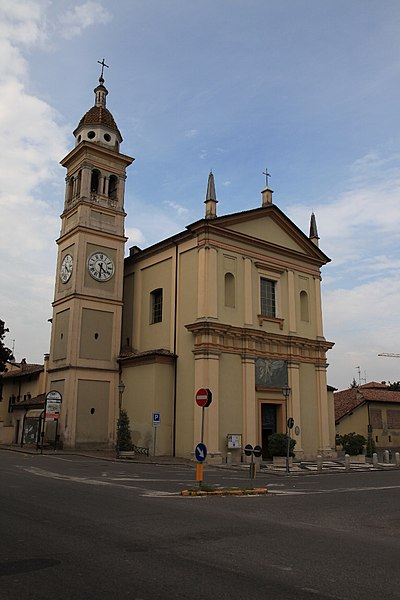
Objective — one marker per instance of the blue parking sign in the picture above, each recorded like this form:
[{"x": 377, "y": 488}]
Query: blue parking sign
[{"x": 156, "y": 419}]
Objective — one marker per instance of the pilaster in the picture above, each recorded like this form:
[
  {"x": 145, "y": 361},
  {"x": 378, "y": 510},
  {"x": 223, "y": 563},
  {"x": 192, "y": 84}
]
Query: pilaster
[
  {"x": 249, "y": 406},
  {"x": 294, "y": 408},
  {"x": 291, "y": 302},
  {"x": 248, "y": 292},
  {"x": 318, "y": 307},
  {"x": 207, "y": 376},
  {"x": 325, "y": 443}
]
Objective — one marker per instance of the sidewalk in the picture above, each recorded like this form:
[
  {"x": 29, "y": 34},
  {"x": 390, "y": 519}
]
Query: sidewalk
[{"x": 298, "y": 468}]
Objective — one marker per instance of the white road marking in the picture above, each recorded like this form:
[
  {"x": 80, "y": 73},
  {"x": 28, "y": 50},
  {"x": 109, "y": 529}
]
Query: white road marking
[{"x": 334, "y": 490}]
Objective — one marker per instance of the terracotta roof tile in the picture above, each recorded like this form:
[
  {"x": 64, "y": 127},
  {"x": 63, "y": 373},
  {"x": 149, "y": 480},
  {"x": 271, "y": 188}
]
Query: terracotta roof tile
[
  {"x": 23, "y": 370},
  {"x": 97, "y": 115},
  {"x": 348, "y": 400}
]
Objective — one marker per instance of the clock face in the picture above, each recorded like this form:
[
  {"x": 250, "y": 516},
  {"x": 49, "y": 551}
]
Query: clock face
[
  {"x": 100, "y": 266},
  {"x": 66, "y": 268}
]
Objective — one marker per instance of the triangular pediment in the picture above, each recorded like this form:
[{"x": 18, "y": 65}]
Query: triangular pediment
[{"x": 268, "y": 225}]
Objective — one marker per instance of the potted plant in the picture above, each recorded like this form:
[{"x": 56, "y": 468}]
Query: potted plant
[
  {"x": 277, "y": 448},
  {"x": 124, "y": 440},
  {"x": 353, "y": 444}
]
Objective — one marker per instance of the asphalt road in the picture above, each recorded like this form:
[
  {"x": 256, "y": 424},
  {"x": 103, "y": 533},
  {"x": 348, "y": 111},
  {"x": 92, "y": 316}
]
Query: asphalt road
[{"x": 73, "y": 527}]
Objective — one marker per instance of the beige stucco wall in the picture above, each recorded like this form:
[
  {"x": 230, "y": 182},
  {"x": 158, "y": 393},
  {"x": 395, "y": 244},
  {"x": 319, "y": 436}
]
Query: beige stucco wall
[
  {"x": 149, "y": 389},
  {"x": 230, "y": 398},
  {"x": 309, "y": 411},
  {"x": 21, "y": 387},
  {"x": 357, "y": 421}
]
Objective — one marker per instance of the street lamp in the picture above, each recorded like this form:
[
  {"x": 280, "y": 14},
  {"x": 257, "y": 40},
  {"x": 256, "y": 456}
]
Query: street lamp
[
  {"x": 286, "y": 392},
  {"x": 121, "y": 389}
]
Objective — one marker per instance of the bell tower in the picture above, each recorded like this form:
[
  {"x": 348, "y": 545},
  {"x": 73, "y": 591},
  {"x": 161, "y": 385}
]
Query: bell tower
[{"x": 87, "y": 307}]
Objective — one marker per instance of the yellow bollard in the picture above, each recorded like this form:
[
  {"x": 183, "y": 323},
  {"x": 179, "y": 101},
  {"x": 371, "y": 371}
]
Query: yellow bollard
[{"x": 199, "y": 472}]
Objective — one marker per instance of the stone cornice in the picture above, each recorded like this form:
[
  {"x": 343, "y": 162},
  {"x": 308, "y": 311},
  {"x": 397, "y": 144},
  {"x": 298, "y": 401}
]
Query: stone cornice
[{"x": 215, "y": 337}]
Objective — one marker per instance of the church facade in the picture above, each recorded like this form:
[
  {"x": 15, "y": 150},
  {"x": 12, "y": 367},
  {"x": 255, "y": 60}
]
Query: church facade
[{"x": 231, "y": 304}]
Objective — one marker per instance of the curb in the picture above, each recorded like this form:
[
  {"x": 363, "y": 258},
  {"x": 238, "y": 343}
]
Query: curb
[{"x": 252, "y": 492}]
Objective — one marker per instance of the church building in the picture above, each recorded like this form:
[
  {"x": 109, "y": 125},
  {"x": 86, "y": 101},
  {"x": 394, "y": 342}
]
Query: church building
[{"x": 232, "y": 304}]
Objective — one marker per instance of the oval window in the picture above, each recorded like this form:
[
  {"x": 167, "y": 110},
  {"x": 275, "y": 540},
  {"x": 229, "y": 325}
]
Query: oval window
[
  {"x": 107, "y": 137},
  {"x": 91, "y": 135}
]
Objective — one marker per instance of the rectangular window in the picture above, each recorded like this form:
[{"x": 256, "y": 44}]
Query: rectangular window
[
  {"x": 375, "y": 416},
  {"x": 156, "y": 305},
  {"x": 268, "y": 297},
  {"x": 393, "y": 418}
]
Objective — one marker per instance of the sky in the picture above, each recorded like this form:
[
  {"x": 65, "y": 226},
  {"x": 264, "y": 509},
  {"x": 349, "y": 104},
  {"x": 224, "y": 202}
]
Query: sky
[{"x": 308, "y": 89}]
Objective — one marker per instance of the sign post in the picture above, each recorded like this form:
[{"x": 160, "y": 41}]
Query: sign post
[
  {"x": 250, "y": 451},
  {"x": 289, "y": 426},
  {"x": 52, "y": 410},
  {"x": 203, "y": 399},
  {"x": 156, "y": 423}
]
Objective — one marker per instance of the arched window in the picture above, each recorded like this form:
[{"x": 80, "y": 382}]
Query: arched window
[
  {"x": 113, "y": 187},
  {"x": 304, "y": 313},
  {"x": 94, "y": 182},
  {"x": 229, "y": 290},
  {"x": 156, "y": 302}
]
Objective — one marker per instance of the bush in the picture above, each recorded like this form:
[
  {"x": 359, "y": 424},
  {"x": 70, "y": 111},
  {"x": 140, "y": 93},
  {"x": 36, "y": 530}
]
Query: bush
[
  {"x": 124, "y": 440},
  {"x": 277, "y": 445},
  {"x": 353, "y": 443}
]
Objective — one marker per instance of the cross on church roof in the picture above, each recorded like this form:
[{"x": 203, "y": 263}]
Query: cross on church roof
[
  {"x": 103, "y": 64},
  {"x": 266, "y": 176}
]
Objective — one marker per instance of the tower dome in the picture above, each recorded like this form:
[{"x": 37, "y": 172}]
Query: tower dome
[{"x": 98, "y": 125}]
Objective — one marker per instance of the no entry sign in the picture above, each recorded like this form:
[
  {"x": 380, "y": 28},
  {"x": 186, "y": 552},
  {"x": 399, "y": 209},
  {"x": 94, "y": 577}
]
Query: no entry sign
[{"x": 203, "y": 397}]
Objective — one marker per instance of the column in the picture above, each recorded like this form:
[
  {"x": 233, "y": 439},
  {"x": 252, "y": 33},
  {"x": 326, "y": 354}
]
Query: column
[
  {"x": 207, "y": 283},
  {"x": 325, "y": 443},
  {"x": 249, "y": 406},
  {"x": 68, "y": 190},
  {"x": 318, "y": 307},
  {"x": 207, "y": 376},
  {"x": 291, "y": 299},
  {"x": 201, "y": 282},
  {"x": 121, "y": 191},
  {"x": 248, "y": 292},
  {"x": 294, "y": 407},
  {"x": 212, "y": 283},
  {"x": 85, "y": 181},
  {"x": 106, "y": 179}
]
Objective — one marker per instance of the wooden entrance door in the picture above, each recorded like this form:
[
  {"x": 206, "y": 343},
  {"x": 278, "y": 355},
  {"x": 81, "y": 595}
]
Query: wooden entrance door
[{"x": 268, "y": 425}]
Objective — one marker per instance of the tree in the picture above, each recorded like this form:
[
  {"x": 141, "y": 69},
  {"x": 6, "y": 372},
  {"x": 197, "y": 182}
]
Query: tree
[
  {"x": 353, "y": 443},
  {"x": 394, "y": 387},
  {"x": 277, "y": 445},
  {"x": 5, "y": 353},
  {"x": 124, "y": 440}
]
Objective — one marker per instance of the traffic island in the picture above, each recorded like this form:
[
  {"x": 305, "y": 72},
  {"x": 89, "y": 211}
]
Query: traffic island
[{"x": 244, "y": 492}]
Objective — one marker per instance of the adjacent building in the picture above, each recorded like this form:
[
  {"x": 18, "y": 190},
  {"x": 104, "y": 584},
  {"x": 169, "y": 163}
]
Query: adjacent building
[{"x": 370, "y": 409}]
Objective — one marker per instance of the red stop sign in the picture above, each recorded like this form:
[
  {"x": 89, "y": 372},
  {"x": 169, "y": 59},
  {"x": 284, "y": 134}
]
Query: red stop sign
[{"x": 202, "y": 397}]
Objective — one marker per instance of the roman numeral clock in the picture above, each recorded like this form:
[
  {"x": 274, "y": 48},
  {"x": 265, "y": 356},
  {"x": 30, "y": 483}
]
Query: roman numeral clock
[{"x": 100, "y": 266}]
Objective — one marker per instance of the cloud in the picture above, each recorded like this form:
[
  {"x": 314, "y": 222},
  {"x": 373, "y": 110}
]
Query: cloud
[
  {"x": 363, "y": 221},
  {"x": 191, "y": 133},
  {"x": 181, "y": 211},
  {"x": 135, "y": 238},
  {"x": 30, "y": 139},
  {"x": 74, "y": 21},
  {"x": 359, "y": 230},
  {"x": 363, "y": 322}
]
